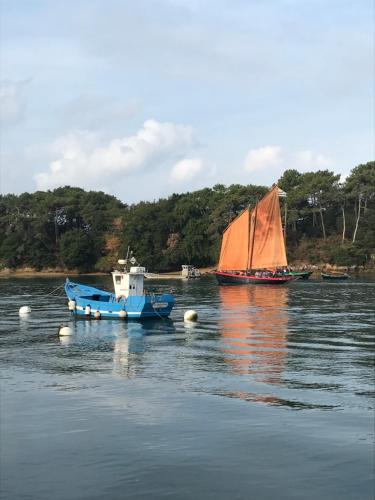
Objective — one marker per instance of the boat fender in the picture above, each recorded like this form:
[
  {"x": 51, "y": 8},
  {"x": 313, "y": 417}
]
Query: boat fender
[
  {"x": 190, "y": 315},
  {"x": 72, "y": 305},
  {"x": 97, "y": 315},
  {"x": 24, "y": 310},
  {"x": 122, "y": 314},
  {"x": 87, "y": 310},
  {"x": 64, "y": 331}
]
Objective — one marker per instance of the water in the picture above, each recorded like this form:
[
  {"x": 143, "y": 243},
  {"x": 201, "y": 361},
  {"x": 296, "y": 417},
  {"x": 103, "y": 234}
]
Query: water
[{"x": 270, "y": 395}]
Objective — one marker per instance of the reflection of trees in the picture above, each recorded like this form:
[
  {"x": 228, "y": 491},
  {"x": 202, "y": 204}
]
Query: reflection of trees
[{"x": 253, "y": 327}]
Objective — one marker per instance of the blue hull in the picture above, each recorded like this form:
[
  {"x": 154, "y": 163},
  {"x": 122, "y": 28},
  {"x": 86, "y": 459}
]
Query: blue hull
[{"x": 89, "y": 301}]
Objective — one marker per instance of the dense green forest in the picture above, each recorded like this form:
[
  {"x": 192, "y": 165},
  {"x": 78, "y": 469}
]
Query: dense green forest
[{"x": 69, "y": 228}]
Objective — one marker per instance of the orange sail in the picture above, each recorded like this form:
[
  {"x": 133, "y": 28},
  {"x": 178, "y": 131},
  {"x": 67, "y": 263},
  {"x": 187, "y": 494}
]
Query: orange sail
[
  {"x": 255, "y": 240},
  {"x": 235, "y": 244},
  {"x": 267, "y": 245}
]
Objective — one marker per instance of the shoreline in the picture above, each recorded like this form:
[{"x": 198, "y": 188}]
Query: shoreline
[{"x": 31, "y": 273}]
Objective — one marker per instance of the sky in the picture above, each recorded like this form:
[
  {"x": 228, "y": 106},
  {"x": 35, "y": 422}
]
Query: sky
[{"x": 145, "y": 98}]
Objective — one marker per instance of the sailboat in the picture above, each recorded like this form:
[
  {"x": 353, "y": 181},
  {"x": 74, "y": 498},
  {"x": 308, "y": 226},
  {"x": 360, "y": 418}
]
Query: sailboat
[{"x": 253, "y": 245}]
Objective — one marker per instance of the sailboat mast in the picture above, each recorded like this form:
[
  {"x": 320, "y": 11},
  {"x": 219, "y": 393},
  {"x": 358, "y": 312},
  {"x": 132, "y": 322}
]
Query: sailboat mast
[
  {"x": 252, "y": 240},
  {"x": 285, "y": 214}
]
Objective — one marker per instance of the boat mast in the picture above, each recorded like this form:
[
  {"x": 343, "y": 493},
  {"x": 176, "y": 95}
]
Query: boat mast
[
  {"x": 282, "y": 194},
  {"x": 285, "y": 213},
  {"x": 252, "y": 242}
]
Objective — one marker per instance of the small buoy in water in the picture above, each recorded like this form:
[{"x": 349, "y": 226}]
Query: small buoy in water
[
  {"x": 97, "y": 315},
  {"x": 24, "y": 310},
  {"x": 190, "y": 315},
  {"x": 122, "y": 314},
  {"x": 87, "y": 310},
  {"x": 65, "y": 340},
  {"x": 72, "y": 305},
  {"x": 65, "y": 331},
  {"x": 190, "y": 325}
]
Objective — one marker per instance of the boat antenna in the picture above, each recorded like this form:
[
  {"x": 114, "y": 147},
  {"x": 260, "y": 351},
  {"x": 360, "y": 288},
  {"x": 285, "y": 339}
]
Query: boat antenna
[{"x": 126, "y": 266}]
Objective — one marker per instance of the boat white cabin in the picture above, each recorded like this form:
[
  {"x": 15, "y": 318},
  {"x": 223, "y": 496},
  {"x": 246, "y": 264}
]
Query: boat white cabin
[{"x": 128, "y": 283}]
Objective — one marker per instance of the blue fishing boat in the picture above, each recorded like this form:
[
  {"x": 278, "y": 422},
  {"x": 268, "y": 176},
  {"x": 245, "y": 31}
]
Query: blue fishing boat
[{"x": 129, "y": 301}]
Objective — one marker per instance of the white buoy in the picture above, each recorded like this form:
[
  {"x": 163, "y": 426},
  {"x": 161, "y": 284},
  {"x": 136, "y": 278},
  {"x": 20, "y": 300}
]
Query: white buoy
[
  {"x": 24, "y": 310},
  {"x": 72, "y": 305},
  {"x": 191, "y": 315},
  {"x": 122, "y": 314},
  {"x": 87, "y": 310},
  {"x": 65, "y": 340},
  {"x": 190, "y": 325},
  {"x": 97, "y": 315},
  {"x": 64, "y": 331}
]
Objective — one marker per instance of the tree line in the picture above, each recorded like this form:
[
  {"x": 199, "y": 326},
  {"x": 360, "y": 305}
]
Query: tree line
[{"x": 69, "y": 228}]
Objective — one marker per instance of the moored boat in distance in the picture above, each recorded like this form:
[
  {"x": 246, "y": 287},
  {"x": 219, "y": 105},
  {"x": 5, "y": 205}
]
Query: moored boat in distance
[
  {"x": 253, "y": 246},
  {"x": 300, "y": 275},
  {"x": 189, "y": 272},
  {"x": 129, "y": 300},
  {"x": 335, "y": 276}
]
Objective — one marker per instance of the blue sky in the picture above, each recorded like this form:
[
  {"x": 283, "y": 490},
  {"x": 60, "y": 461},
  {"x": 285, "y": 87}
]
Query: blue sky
[{"x": 142, "y": 99}]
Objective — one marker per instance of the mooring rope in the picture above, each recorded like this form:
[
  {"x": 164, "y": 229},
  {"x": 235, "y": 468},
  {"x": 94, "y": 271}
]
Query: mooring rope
[{"x": 55, "y": 290}]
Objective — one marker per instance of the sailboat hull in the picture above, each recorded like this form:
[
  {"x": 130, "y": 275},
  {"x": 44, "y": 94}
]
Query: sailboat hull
[{"x": 224, "y": 278}]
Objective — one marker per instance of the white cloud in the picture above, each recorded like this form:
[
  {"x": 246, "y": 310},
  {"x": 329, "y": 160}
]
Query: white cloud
[
  {"x": 276, "y": 158},
  {"x": 186, "y": 170},
  {"x": 264, "y": 157},
  {"x": 193, "y": 173},
  {"x": 305, "y": 160},
  {"x": 267, "y": 163},
  {"x": 82, "y": 162},
  {"x": 12, "y": 102}
]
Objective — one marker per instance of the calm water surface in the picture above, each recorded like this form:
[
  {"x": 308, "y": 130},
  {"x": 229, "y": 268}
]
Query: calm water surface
[{"x": 269, "y": 396}]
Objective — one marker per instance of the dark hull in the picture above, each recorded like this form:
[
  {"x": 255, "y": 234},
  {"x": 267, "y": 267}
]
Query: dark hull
[
  {"x": 241, "y": 279},
  {"x": 301, "y": 275},
  {"x": 333, "y": 277}
]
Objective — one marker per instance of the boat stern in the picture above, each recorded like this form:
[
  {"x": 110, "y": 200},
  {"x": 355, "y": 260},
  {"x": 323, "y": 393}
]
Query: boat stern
[{"x": 158, "y": 306}]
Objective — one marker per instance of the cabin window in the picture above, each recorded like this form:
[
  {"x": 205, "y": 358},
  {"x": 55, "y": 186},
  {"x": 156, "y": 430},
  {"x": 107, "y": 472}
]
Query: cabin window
[{"x": 118, "y": 280}]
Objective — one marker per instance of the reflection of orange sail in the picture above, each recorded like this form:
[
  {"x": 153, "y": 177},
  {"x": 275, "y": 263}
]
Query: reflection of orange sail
[
  {"x": 254, "y": 328},
  {"x": 235, "y": 244},
  {"x": 267, "y": 247}
]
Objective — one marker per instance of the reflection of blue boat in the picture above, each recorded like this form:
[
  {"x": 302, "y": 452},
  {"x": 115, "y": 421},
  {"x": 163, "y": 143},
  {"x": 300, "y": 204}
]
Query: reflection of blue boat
[{"x": 128, "y": 301}]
